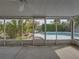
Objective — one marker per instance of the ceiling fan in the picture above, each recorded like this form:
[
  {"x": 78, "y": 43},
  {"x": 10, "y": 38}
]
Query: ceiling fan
[{"x": 22, "y": 4}]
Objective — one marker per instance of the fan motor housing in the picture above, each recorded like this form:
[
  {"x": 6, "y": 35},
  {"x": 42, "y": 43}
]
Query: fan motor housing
[{"x": 22, "y": 0}]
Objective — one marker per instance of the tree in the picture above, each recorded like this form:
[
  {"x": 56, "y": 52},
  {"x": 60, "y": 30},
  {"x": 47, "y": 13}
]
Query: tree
[
  {"x": 77, "y": 21},
  {"x": 15, "y": 28},
  {"x": 11, "y": 29},
  {"x": 1, "y": 27}
]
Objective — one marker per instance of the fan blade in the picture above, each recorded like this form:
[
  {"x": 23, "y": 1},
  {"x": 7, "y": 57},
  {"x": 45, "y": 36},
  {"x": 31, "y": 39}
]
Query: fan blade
[
  {"x": 21, "y": 9},
  {"x": 12, "y": 0}
]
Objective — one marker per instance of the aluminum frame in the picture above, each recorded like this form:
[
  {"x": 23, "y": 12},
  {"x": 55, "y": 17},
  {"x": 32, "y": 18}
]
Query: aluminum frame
[{"x": 54, "y": 17}]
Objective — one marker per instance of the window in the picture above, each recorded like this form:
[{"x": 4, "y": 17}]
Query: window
[
  {"x": 2, "y": 29},
  {"x": 27, "y": 29},
  {"x": 12, "y": 29},
  {"x": 50, "y": 29},
  {"x": 76, "y": 28},
  {"x": 63, "y": 29},
  {"x": 39, "y": 29}
]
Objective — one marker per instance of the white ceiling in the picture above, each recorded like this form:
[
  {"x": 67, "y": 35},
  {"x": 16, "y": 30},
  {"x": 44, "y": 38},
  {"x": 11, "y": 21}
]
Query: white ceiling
[{"x": 40, "y": 8}]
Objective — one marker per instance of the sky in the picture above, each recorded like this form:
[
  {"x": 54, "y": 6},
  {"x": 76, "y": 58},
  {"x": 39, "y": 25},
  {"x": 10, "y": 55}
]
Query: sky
[
  {"x": 48, "y": 21},
  {"x": 41, "y": 21}
]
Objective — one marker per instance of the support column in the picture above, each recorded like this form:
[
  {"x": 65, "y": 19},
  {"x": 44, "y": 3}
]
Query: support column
[
  {"x": 33, "y": 32},
  {"x": 72, "y": 29},
  {"x": 56, "y": 18},
  {"x": 45, "y": 31},
  {"x": 4, "y": 33},
  {"x": 22, "y": 33}
]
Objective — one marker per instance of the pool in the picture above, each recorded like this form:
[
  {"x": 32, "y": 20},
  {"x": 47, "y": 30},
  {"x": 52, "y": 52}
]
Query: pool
[{"x": 58, "y": 35}]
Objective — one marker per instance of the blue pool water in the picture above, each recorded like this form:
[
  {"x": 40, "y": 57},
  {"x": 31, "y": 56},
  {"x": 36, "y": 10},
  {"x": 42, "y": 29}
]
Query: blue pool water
[{"x": 62, "y": 33}]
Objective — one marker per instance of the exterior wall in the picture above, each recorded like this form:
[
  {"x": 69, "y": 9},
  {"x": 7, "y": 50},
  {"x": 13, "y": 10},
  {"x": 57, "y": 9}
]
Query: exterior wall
[
  {"x": 35, "y": 42},
  {"x": 1, "y": 43},
  {"x": 77, "y": 42}
]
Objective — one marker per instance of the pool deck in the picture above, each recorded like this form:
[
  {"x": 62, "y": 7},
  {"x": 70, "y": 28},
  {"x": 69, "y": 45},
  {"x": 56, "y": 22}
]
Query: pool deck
[{"x": 39, "y": 52}]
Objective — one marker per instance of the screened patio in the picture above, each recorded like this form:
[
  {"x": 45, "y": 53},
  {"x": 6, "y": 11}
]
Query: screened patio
[
  {"x": 35, "y": 30},
  {"x": 39, "y": 29}
]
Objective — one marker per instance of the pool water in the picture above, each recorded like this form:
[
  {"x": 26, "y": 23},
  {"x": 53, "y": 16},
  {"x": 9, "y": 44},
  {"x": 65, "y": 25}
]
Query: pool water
[{"x": 60, "y": 35}]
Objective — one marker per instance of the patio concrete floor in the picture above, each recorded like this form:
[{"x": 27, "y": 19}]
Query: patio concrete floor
[{"x": 39, "y": 52}]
